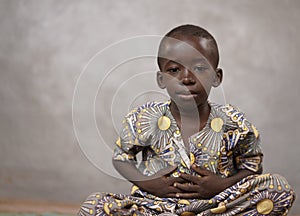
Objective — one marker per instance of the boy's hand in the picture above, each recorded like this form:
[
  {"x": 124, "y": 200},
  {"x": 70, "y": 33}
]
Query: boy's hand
[
  {"x": 161, "y": 184},
  {"x": 204, "y": 187}
]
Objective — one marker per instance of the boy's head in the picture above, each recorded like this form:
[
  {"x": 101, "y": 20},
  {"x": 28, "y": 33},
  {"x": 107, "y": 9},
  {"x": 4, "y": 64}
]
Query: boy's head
[
  {"x": 188, "y": 59},
  {"x": 204, "y": 37}
]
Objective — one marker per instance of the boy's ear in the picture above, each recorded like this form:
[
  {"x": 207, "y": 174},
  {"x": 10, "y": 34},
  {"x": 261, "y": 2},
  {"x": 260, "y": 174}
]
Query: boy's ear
[
  {"x": 218, "y": 77},
  {"x": 159, "y": 80}
]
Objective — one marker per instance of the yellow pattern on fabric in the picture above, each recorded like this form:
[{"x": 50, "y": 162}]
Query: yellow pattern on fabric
[
  {"x": 164, "y": 123},
  {"x": 255, "y": 131},
  {"x": 106, "y": 208},
  {"x": 184, "y": 201},
  {"x": 218, "y": 210},
  {"x": 187, "y": 214},
  {"x": 118, "y": 142},
  {"x": 217, "y": 124},
  {"x": 265, "y": 206},
  {"x": 134, "y": 189}
]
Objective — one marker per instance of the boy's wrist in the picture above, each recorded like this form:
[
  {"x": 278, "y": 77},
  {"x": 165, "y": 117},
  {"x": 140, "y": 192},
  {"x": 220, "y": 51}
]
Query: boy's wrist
[{"x": 237, "y": 177}]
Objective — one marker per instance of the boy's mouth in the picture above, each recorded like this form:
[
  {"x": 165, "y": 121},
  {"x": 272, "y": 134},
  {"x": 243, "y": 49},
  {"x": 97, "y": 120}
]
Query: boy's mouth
[{"x": 187, "y": 95}]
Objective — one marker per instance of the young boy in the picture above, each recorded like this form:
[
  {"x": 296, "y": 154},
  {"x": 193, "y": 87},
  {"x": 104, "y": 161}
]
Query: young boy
[{"x": 198, "y": 158}]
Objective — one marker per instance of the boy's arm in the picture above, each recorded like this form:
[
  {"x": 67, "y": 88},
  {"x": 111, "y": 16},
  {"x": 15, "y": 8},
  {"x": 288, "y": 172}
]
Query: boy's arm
[{"x": 160, "y": 184}]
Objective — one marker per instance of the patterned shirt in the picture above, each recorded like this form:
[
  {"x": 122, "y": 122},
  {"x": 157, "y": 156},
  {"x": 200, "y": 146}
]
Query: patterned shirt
[{"x": 151, "y": 139}]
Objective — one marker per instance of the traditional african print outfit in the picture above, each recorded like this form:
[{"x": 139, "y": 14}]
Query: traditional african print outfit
[{"x": 225, "y": 145}]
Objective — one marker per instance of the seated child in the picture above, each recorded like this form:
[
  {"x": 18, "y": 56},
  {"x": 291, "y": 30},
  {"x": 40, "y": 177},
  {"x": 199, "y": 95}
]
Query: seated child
[{"x": 198, "y": 157}]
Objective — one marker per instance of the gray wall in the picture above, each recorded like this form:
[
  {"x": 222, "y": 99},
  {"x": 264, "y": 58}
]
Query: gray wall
[{"x": 44, "y": 46}]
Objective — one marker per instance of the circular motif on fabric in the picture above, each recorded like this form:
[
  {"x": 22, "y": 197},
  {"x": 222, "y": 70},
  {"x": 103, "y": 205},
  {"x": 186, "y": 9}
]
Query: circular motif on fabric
[
  {"x": 265, "y": 206},
  {"x": 164, "y": 123},
  {"x": 216, "y": 124}
]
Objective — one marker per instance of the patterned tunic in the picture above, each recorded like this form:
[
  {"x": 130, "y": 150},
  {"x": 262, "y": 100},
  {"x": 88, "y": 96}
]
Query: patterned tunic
[{"x": 151, "y": 139}]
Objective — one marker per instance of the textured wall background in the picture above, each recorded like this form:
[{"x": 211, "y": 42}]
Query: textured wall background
[{"x": 44, "y": 45}]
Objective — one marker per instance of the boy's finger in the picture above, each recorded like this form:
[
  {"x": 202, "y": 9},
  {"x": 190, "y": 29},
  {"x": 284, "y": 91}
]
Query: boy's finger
[
  {"x": 190, "y": 178},
  {"x": 186, "y": 187},
  {"x": 173, "y": 180},
  {"x": 187, "y": 195},
  {"x": 174, "y": 190},
  {"x": 200, "y": 171}
]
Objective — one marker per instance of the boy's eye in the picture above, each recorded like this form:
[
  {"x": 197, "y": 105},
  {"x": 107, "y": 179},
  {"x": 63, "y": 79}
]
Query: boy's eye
[
  {"x": 173, "y": 70},
  {"x": 200, "y": 68}
]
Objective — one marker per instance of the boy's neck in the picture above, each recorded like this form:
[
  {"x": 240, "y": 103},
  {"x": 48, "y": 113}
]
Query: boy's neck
[{"x": 187, "y": 117}]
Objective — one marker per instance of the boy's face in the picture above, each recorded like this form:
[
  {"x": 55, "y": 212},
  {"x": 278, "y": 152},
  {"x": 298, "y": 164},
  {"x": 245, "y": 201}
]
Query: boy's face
[{"x": 187, "y": 70}]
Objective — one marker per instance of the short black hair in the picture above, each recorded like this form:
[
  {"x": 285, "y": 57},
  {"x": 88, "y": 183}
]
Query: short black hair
[{"x": 191, "y": 30}]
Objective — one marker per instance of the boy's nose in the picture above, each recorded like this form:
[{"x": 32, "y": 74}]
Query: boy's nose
[{"x": 187, "y": 77}]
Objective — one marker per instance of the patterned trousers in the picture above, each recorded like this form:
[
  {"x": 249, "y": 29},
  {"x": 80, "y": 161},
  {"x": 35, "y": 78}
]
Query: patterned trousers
[{"x": 267, "y": 194}]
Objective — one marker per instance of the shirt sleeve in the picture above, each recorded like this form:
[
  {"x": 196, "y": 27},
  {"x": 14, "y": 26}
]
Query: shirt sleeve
[
  {"x": 127, "y": 144},
  {"x": 136, "y": 148},
  {"x": 248, "y": 153}
]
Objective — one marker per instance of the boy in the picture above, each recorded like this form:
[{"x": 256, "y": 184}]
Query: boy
[{"x": 197, "y": 157}]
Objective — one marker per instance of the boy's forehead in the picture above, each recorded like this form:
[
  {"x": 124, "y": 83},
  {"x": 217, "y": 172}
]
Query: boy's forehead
[{"x": 192, "y": 47}]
